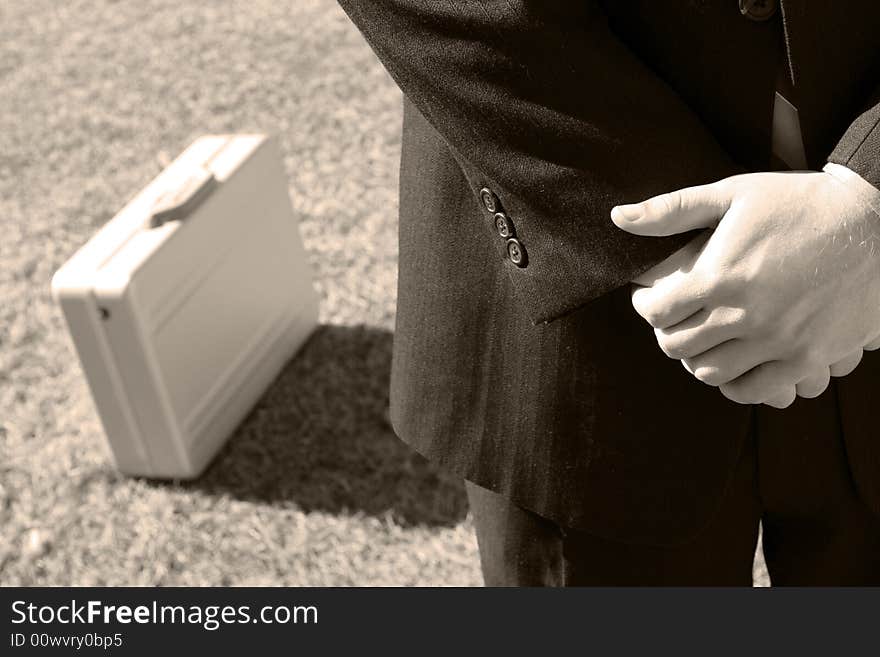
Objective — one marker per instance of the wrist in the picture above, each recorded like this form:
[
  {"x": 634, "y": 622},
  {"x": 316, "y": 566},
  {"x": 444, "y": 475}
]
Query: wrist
[{"x": 865, "y": 191}]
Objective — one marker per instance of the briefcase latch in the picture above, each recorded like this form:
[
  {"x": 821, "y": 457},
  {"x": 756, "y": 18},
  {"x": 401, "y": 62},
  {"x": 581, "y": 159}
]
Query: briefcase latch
[{"x": 180, "y": 202}]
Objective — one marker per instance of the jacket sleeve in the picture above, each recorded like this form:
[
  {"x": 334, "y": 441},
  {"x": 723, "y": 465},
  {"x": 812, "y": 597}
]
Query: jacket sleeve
[
  {"x": 542, "y": 105},
  {"x": 859, "y": 147}
]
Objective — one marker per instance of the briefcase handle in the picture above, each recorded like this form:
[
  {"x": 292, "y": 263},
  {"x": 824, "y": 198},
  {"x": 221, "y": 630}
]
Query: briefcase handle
[{"x": 180, "y": 202}]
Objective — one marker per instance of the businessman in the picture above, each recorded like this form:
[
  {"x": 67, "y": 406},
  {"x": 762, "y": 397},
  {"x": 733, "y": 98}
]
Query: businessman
[{"x": 639, "y": 281}]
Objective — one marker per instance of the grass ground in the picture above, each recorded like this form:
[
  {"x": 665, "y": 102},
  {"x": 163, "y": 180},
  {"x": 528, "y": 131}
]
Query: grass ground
[{"x": 313, "y": 489}]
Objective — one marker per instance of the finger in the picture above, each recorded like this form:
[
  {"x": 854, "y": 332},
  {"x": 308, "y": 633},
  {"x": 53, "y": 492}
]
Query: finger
[
  {"x": 873, "y": 344},
  {"x": 814, "y": 384},
  {"x": 681, "y": 260},
  {"x": 672, "y": 300},
  {"x": 700, "y": 332},
  {"x": 847, "y": 364},
  {"x": 675, "y": 212},
  {"x": 771, "y": 383},
  {"x": 784, "y": 399},
  {"x": 727, "y": 361}
]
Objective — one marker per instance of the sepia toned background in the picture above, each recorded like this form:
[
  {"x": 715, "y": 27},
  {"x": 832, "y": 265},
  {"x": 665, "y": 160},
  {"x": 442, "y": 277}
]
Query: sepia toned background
[{"x": 96, "y": 97}]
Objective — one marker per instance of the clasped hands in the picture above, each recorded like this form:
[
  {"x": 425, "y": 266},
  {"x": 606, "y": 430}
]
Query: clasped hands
[{"x": 780, "y": 294}]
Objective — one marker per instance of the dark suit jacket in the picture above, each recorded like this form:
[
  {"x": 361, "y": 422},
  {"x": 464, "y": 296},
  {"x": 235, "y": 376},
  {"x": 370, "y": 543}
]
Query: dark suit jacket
[{"x": 540, "y": 382}]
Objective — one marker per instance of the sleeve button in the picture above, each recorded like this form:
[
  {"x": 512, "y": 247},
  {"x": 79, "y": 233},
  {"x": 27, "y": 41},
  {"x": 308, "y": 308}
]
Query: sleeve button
[
  {"x": 758, "y": 10},
  {"x": 503, "y": 225},
  {"x": 516, "y": 252},
  {"x": 490, "y": 201}
]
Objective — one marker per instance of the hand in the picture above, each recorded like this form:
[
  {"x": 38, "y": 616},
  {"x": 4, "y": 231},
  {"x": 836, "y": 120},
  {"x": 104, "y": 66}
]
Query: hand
[{"x": 782, "y": 295}]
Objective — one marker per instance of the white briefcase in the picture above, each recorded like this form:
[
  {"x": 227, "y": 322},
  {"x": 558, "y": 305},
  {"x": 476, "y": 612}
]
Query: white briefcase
[{"x": 187, "y": 304}]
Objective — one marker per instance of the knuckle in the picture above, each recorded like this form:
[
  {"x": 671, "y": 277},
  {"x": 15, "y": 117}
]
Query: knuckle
[
  {"x": 711, "y": 376},
  {"x": 705, "y": 290},
  {"x": 722, "y": 188},
  {"x": 652, "y": 314},
  {"x": 642, "y": 304},
  {"x": 760, "y": 323},
  {"x": 670, "y": 346},
  {"x": 725, "y": 285},
  {"x": 792, "y": 340},
  {"x": 781, "y": 402},
  {"x": 669, "y": 203},
  {"x": 745, "y": 320},
  {"x": 734, "y": 394},
  {"x": 811, "y": 359},
  {"x": 846, "y": 364},
  {"x": 709, "y": 277},
  {"x": 754, "y": 392},
  {"x": 712, "y": 283},
  {"x": 812, "y": 389}
]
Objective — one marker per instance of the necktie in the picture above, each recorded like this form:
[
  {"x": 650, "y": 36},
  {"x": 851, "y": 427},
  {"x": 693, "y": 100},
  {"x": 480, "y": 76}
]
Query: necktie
[{"x": 788, "y": 145}]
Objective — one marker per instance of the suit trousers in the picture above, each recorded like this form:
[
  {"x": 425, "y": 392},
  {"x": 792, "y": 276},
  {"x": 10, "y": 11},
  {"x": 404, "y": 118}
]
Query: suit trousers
[{"x": 792, "y": 478}]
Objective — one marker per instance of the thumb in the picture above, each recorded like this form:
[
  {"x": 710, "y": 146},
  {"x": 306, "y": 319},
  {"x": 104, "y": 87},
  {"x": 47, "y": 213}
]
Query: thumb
[{"x": 674, "y": 212}]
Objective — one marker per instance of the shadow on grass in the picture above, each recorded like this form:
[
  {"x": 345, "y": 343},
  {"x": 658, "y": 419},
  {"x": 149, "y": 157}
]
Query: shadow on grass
[{"x": 320, "y": 440}]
